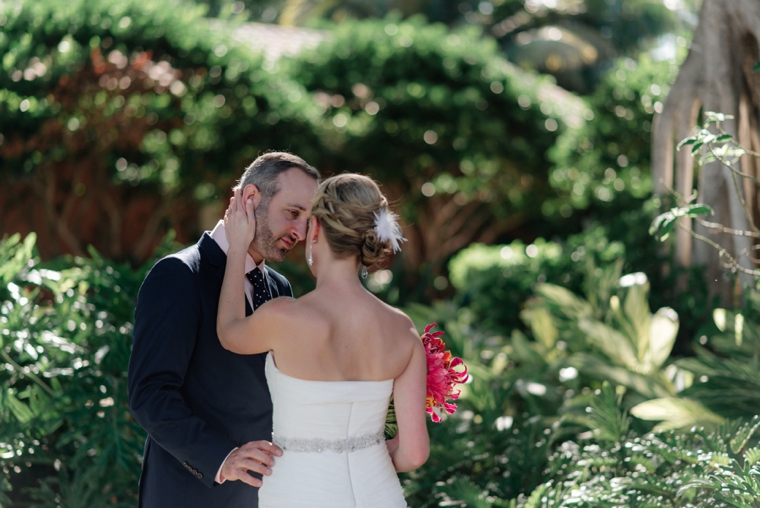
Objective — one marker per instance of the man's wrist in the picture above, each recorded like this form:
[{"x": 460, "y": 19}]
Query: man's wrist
[{"x": 219, "y": 478}]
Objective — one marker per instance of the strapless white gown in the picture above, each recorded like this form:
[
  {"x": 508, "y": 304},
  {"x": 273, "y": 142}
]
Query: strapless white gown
[{"x": 334, "y": 453}]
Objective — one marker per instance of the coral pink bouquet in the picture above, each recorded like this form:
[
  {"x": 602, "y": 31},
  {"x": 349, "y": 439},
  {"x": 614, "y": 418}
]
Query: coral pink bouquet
[
  {"x": 441, "y": 376},
  {"x": 442, "y": 379}
]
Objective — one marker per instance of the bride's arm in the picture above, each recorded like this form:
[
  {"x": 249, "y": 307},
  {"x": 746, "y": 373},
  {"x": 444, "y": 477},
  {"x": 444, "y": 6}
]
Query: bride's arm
[
  {"x": 238, "y": 333},
  {"x": 409, "y": 391}
]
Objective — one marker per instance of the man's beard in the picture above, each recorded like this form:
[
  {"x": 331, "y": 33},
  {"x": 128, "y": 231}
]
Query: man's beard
[{"x": 264, "y": 241}]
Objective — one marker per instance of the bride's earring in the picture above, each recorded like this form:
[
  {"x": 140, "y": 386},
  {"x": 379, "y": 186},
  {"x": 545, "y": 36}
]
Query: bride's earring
[
  {"x": 363, "y": 272},
  {"x": 311, "y": 259}
]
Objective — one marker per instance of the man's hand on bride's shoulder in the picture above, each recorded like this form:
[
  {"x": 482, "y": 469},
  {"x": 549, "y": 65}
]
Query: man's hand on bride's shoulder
[
  {"x": 256, "y": 456},
  {"x": 239, "y": 222}
]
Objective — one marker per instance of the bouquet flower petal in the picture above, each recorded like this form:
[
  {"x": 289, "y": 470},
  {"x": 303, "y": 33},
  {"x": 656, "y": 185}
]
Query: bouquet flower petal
[{"x": 444, "y": 373}]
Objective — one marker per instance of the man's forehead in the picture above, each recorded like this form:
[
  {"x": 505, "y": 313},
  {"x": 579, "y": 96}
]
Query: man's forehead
[
  {"x": 296, "y": 189},
  {"x": 294, "y": 179}
]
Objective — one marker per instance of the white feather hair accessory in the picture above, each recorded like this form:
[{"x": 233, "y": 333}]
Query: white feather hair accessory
[{"x": 387, "y": 228}]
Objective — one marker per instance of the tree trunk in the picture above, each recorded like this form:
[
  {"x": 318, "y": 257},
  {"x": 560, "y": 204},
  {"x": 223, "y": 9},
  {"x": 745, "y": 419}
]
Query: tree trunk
[{"x": 716, "y": 76}]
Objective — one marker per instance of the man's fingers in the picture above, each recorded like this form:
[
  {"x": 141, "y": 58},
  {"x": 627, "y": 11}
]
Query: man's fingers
[
  {"x": 265, "y": 446},
  {"x": 255, "y": 466},
  {"x": 237, "y": 199},
  {"x": 258, "y": 456},
  {"x": 244, "y": 477},
  {"x": 255, "y": 461},
  {"x": 249, "y": 210}
]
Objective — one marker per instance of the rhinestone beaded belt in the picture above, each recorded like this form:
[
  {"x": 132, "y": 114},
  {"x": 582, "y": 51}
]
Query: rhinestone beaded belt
[{"x": 337, "y": 445}]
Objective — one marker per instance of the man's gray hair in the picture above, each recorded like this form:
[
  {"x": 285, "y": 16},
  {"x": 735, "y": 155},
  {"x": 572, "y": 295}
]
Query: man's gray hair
[{"x": 263, "y": 172}]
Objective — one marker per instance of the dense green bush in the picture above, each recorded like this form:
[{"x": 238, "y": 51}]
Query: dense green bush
[
  {"x": 616, "y": 467},
  {"x": 494, "y": 282},
  {"x": 724, "y": 368},
  {"x": 135, "y": 114},
  {"x": 608, "y": 461},
  {"x": 182, "y": 101},
  {"x": 457, "y": 135},
  {"x": 66, "y": 435},
  {"x": 605, "y": 164}
]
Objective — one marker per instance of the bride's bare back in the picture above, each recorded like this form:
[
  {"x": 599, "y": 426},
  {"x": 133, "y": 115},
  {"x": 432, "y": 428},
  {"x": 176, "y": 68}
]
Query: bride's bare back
[{"x": 331, "y": 335}]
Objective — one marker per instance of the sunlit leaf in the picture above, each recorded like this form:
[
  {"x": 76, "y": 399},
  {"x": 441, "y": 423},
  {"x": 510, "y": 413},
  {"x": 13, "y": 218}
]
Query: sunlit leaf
[
  {"x": 673, "y": 413},
  {"x": 662, "y": 335},
  {"x": 616, "y": 346},
  {"x": 712, "y": 116},
  {"x": 21, "y": 411},
  {"x": 596, "y": 368},
  {"x": 686, "y": 141},
  {"x": 719, "y": 316},
  {"x": 699, "y": 209},
  {"x": 744, "y": 434}
]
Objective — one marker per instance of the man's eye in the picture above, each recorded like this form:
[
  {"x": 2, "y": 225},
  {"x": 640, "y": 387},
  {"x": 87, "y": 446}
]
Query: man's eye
[{"x": 294, "y": 213}]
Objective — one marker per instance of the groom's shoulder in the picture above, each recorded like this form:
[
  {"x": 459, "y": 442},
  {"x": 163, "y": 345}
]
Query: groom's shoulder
[{"x": 185, "y": 262}]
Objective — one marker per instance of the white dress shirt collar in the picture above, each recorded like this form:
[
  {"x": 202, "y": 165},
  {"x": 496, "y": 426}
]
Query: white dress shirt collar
[{"x": 220, "y": 238}]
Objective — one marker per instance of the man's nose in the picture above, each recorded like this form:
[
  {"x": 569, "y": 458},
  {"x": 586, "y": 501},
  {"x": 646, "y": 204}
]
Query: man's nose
[{"x": 299, "y": 230}]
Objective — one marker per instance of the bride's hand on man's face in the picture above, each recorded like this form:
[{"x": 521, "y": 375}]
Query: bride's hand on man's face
[{"x": 239, "y": 222}]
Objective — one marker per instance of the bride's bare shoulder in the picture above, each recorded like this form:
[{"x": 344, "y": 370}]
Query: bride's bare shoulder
[
  {"x": 399, "y": 323},
  {"x": 277, "y": 308}
]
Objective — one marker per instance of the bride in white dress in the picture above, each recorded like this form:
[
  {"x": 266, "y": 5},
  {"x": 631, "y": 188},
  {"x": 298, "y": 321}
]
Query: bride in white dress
[{"x": 335, "y": 356}]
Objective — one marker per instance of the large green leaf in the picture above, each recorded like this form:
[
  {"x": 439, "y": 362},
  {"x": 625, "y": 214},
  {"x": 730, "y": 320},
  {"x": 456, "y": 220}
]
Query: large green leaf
[
  {"x": 564, "y": 300},
  {"x": 596, "y": 368},
  {"x": 21, "y": 411},
  {"x": 15, "y": 255},
  {"x": 674, "y": 413},
  {"x": 616, "y": 346},
  {"x": 636, "y": 311},
  {"x": 698, "y": 209},
  {"x": 662, "y": 335},
  {"x": 662, "y": 225},
  {"x": 543, "y": 327}
]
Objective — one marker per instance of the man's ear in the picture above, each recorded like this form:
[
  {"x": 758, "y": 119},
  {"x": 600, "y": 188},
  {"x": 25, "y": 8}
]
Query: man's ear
[{"x": 251, "y": 192}]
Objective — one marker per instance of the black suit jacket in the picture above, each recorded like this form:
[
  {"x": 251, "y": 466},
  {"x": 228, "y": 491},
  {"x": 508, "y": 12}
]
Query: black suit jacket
[{"x": 196, "y": 400}]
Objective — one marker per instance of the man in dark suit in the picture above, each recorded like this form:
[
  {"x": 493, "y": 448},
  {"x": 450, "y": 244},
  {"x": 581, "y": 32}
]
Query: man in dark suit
[{"x": 207, "y": 411}]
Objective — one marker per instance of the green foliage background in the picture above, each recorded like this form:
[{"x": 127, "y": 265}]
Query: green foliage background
[{"x": 527, "y": 211}]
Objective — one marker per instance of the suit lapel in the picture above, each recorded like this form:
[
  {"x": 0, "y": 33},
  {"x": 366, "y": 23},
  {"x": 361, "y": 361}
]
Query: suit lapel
[
  {"x": 218, "y": 259},
  {"x": 273, "y": 288}
]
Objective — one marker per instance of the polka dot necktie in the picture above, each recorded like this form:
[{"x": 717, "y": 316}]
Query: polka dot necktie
[{"x": 260, "y": 290}]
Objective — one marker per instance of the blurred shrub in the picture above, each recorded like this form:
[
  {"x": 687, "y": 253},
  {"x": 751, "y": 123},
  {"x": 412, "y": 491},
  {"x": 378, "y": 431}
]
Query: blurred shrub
[
  {"x": 724, "y": 368},
  {"x": 137, "y": 114},
  {"x": 457, "y": 135},
  {"x": 498, "y": 442},
  {"x": 701, "y": 467},
  {"x": 604, "y": 166},
  {"x": 606, "y": 462},
  {"x": 132, "y": 114},
  {"x": 66, "y": 435},
  {"x": 494, "y": 282}
]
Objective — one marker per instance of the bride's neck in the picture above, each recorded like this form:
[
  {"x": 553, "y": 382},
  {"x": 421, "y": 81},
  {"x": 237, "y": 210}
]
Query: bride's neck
[{"x": 339, "y": 272}]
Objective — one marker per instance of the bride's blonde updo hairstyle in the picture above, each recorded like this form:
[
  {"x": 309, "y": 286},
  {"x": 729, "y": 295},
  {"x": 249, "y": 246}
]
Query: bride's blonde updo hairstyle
[{"x": 346, "y": 205}]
